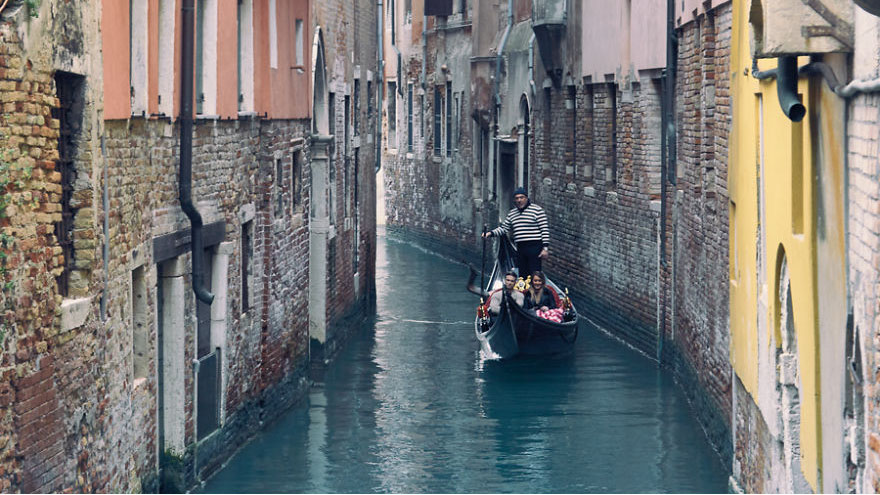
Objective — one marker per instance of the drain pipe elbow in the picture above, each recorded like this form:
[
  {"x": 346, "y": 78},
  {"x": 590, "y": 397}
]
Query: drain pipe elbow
[
  {"x": 186, "y": 130},
  {"x": 786, "y": 88}
]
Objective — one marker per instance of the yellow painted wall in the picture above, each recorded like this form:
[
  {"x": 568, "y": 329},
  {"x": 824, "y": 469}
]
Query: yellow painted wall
[{"x": 784, "y": 228}]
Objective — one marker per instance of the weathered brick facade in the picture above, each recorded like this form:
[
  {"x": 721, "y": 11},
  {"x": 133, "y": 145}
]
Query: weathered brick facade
[
  {"x": 100, "y": 391},
  {"x": 698, "y": 308}
]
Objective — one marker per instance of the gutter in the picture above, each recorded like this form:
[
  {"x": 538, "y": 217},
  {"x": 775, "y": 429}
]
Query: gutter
[
  {"x": 186, "y": 131},
  {"x": 380, "y": 76}
]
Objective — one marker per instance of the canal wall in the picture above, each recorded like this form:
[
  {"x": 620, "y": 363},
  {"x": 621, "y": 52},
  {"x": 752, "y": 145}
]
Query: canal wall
[
  {"x": 115, "y": 378},
  {"x": 588, "y": 149}
]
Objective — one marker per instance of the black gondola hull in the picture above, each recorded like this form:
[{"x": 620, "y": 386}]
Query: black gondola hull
[{"x": 516, "y": 331}]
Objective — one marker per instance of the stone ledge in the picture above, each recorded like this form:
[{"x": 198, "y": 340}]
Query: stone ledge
[{"x": 74, "y": 313}]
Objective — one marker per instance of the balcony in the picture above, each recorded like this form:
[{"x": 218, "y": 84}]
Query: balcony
[{"x": 549, "y": 18}]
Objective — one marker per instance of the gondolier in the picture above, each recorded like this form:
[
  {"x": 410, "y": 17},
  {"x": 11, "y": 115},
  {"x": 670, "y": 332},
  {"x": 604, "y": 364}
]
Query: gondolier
[{"x": 528, "y": 222}]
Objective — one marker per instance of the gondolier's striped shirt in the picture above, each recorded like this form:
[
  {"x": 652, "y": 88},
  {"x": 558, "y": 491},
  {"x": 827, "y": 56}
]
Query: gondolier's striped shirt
[{"x": 530, "y": 224}]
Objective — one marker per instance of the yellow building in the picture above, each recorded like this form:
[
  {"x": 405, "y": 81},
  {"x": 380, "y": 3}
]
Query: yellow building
[{"x": 788, "y": 304}]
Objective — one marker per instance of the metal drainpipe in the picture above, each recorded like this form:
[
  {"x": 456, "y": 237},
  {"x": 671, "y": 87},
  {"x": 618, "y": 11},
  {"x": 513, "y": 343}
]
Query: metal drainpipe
[
  {"x": 496, "y": 98},
  {"x": 105, "y": 249},
  {"x": 381, "y": 83},
  {"x": 667, "y": 143},
  {"x": 186, "y": 130}
]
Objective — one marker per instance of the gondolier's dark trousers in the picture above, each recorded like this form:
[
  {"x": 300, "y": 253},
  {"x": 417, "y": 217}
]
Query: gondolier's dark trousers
[{"x": 527, "y": 260}]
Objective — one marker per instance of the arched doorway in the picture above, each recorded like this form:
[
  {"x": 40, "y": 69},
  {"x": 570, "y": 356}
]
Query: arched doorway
[{"x": 788, "y": 383}]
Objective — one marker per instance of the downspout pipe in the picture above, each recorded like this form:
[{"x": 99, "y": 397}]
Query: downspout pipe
[
  {"x": 786, "y": 74},
  {"x": 380, "y": 76},
  {"x": 667, "y": 143},
  {"x": 186, "y": 131},
  {"x": 786, "y": 88}
]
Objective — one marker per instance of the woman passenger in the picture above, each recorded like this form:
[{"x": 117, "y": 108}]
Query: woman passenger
[{"x": 539, "y": 296}]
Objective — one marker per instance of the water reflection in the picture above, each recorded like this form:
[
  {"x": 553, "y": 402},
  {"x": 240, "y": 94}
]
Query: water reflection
[{"x": 410, "y": 406}]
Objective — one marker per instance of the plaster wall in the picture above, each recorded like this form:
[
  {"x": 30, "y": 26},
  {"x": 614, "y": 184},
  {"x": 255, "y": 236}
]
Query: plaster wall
[{"x": 606, "y": 33}]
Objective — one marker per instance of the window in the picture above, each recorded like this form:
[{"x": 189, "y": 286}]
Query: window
[
  {"x": 70, "y": 90},
  {"x": 273, "y": 35},
  {"x": 245, "y": 55},
  {"x": 296, "y": 179},
  {"x": 279, "y": 190},
  {"x": 457, "y": 121},
  {"x": 408, "y": 6},
  {"x": 392, "y": 114},
  {"x": 409, "y": 118},
  {"x": 331, "y": 112},
  {"x": 393, "y": 16},
  {"x": 300, "y": 47},
  {"x": 347, "y": 127},
  {"x": 356, "y": 112},
  {"x": 247, "y": 264},
  {"x": 611, "y": 172},
  {"x": 369, "y": 99},
  {"x": 462, "y": 8},
  {"x": 355, "y": 252},
  {"x": 140, "y": 325},
  {"x": 571, "y": 103},
  {"x": 448, "y": 118},
  {"x": 438, "y": 122},
  {"x": 422, "y": 120}
]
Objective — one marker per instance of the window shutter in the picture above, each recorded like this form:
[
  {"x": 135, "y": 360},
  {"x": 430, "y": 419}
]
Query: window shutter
[{"x": 438, "y": 7}]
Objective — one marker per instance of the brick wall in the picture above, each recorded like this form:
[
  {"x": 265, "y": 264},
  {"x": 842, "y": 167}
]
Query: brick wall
[
  {"x": 604, "y": 232},
  {"x": 864, "y": 282},
  {"x": 31, "y": 433},
  {"x": 698, "y": 245},
  {"x": 430, "y": 198}
]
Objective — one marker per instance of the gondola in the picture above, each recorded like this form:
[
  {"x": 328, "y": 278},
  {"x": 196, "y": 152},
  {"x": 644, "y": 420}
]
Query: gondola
[{"x": 516, "y": 331}]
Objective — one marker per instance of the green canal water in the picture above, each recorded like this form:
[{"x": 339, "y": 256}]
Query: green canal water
[{"x": 410, "y": 406}]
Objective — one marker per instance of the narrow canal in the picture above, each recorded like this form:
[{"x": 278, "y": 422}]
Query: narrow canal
[{"x": 410, "y": 406}]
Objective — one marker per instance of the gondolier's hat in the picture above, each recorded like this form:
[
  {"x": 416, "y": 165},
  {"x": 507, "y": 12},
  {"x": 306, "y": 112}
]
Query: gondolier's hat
[{"x": 520, "y": 190}]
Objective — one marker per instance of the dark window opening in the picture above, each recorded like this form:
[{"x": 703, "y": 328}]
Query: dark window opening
[
  {"x": 247, "y": 265},
  {"x": 279, "y": 189},
  {"x": 612, "y": 172},
  {"x": 369, "y": 99},
  {"x": 71, "y": 94},
  {"x": 296, "y": 178},
  {"x": 409, "y": 118},
  {"x": 438, "y": 122},
  {"x": 449, "y": 119},
  {"x": 357, "y": 107},
  {"x": 392, "y": 114},
  {"x": 346, "y": 149}
]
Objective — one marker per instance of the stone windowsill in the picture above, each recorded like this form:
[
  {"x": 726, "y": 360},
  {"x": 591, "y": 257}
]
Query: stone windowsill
[{"x": 74, "y": 313}]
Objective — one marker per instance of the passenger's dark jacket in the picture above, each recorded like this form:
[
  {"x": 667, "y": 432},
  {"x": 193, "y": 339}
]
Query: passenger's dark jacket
[{"x": 546, "y": 300}]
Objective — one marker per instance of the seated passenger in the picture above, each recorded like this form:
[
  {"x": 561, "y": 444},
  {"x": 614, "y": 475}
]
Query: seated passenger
[
  {"x": 539, "y": 297},
  {"x": 495, "y": 298}
]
